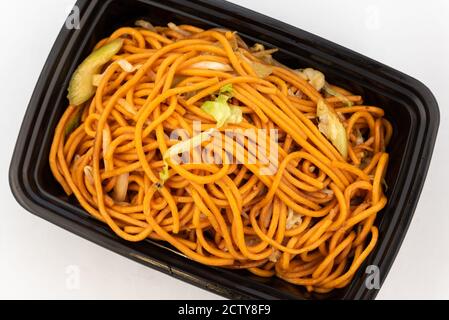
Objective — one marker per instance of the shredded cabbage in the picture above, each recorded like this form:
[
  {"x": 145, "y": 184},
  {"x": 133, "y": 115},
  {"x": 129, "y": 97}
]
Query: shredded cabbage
[
  {"x": 227, "y": 89},
  {"x": 315, "y": 78},
  {"x": 212, "y": 65},
  {"x": 293, "y": 219},
  {"x": 334, "y": 93},
  {"x": 236, "y": 115},
  {"x": 128, "y": 107},
  {"x": 261, "y": 70},
  {"x": 331, "y": 126},
  {"x": 221, "y": 111},
  {"x": 177, "y": 29},
  {"x": 128, "y": 67}
]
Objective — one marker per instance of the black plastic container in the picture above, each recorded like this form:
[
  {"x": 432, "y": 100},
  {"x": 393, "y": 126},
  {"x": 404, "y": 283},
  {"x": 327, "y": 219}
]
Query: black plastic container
[{"x": 408, "y": 104}]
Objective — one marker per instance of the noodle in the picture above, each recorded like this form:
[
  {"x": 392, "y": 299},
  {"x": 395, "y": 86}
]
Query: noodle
[{"x": 309, "y": 220}]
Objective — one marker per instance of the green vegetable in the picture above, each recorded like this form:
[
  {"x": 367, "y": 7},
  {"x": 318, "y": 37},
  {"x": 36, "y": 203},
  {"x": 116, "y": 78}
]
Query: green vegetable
[
  {"x": 221, "y": 111},
  {"x": 227, "y": 89},
  {"x": 163, "y": 175},
  {"x": 236, "y": 114},
  {"x": 81, "y": 86},
  {"x": 334, "y": 93},
  {"x": 73, "y": 123}
]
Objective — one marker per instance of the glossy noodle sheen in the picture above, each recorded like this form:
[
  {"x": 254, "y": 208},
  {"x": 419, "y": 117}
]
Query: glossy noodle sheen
[{"x": 310, "y": 223}]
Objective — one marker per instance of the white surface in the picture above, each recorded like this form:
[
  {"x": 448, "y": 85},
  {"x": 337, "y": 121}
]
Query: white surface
[{"x": 40, "y": 260}]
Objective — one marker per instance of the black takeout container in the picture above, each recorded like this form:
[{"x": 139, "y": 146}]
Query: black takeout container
[{"x": 408, "y": 104}]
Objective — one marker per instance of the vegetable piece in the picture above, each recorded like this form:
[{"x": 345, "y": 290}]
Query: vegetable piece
[
  {"x": 227, "y": 89},
  {"x": 73, "y": 123},
  {"x": 81, "y": 87},
  {"x": 89, "y": 175},
  {"x": 315, "y": 78},
  {"x": 128, "y": 107},
  {"x": 240, "y": 42},
  {"x": 236, "y": 115},
  {"x": 212, "y": 65},
  {"x": 177, "y": 29},
  {"x": 293, "y": 219},
  {"x": 164, "y": 175},
  {"x": 128, "y": 67},
  {"x": 231, "y": 36},
  {"x": 274, "y": 257},
  {"x": 295, "y": 92},
  {"x": 261, "y": 70},
  {"x": 121, "y": 187},
  {"x": 222, "y": 30},
  {"x": 145, "y": 24},
  {"x": 265, "y": 54},
  {"x": 341, "y": 97},
  {"x": 331, "y": 126},
  {"x": 106, "y": 141},
  {"x": 257, "y": 47},
  {"x": 96, "y": 79},
  {"x": 258, "y": 50},
  {"x": 359, "y": 137},
  {"x": 124, "y": 64},
  {"x": 221, "y": 111}
]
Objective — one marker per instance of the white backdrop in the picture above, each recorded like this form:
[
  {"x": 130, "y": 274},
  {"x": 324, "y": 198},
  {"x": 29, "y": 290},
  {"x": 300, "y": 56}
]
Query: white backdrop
[{"x": 40, "y": 260}]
